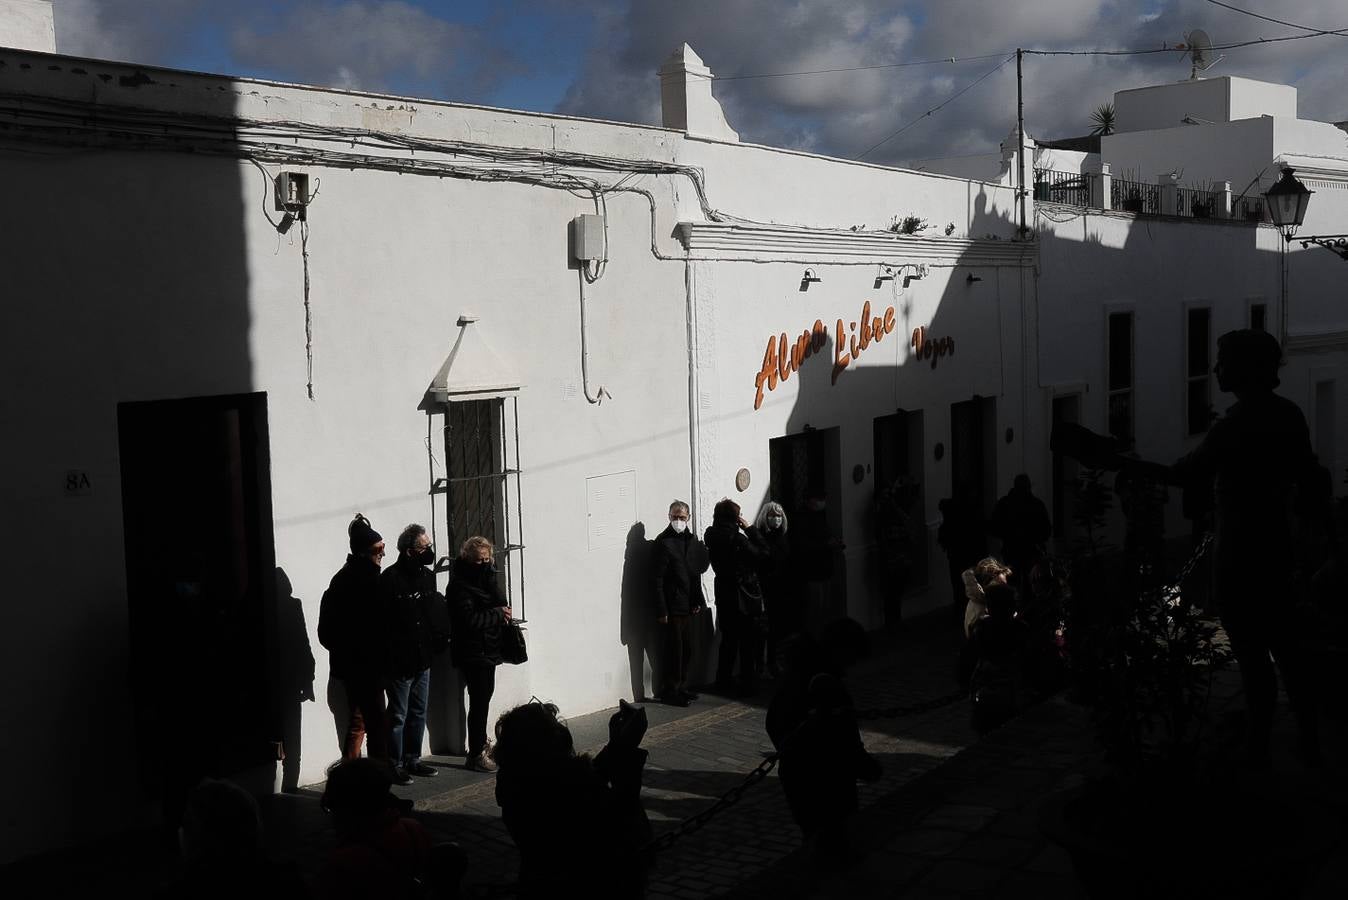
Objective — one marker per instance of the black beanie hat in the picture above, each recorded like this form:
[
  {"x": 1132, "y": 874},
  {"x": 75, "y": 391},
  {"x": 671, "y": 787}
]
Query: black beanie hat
[{"x": 363, "y": 537}]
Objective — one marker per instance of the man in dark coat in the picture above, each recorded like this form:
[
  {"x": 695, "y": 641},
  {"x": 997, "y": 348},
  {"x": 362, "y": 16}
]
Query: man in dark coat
[
  {"x": 418, "y": 630},
  {"x": 1021, "y": 521},
  {"x": 352, "y": 629},
  {"x": 735, "y": 549},
  {"x": 680, "y": 559},
  {"x": 478, "y": 612}
]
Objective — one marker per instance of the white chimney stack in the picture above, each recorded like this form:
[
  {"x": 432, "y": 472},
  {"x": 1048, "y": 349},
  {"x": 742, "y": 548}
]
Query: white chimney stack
[
  {"x": 27, "y": 25},
  {"x": 686, "y": 102}
]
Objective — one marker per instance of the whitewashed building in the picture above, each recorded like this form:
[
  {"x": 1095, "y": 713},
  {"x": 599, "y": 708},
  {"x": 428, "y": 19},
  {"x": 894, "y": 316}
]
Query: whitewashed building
[
  {"x": 243, "y": 311},
  {"x": 207, "y": 388}
]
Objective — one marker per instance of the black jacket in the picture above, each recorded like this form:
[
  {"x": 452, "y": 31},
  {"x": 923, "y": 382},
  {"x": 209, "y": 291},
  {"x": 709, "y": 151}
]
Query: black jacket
[
  {"x": 417, "y": 617},
  {"x": 476, "y": 609},
  {"x": 734, "y": 556},
  {"x": 679, "y": 561},
  {"x": 350, "y": 624}
]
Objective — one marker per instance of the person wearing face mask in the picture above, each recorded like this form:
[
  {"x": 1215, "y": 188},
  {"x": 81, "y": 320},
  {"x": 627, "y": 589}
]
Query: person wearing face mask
[
  {"x": 782, "y": 602},
  {"x": 352, "y": 629},
  {"x": 735, "y": 548},
  {"x": 418, "y": 630},
  {"x": 680, "y": 559},
  {"x": 478, "y": 609}
]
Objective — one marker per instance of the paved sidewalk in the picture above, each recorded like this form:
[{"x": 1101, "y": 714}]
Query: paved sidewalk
[{"x": 952, "y": 816}]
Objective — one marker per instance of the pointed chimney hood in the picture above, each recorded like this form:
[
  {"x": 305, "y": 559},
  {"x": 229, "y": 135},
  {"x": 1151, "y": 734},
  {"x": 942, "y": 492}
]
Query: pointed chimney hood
[{"x": 472, "y": 371}]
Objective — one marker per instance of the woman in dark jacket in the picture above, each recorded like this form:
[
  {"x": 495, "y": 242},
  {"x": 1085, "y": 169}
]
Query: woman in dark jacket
[
  {"x": 478, "y": 610},
  {"x": 783, "y": 603},
  {"x": 735, "y": 548}
]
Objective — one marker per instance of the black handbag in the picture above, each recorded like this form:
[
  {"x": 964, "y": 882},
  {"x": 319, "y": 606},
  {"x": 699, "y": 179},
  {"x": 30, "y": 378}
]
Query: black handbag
[{"x": 513, "y": 649}]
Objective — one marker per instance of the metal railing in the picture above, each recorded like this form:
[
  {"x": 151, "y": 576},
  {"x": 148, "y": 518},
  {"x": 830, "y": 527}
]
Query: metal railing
[
  {"x": 1135, "y": 197},
  {"x": 1070, "y": 188},
  {"x": 1197, "y": 204}
]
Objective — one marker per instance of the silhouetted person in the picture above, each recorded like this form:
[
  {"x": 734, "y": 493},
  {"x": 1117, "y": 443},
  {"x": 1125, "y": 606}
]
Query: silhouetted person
[
  {"x": 783, "y": 601},
  {"x": 578, "y": 822},
  {"x": 813, "y": 726},
  {"x": 1020, "y": 520},
  {"x": 352, "y": 628},
  {"x": 735, "y": 549},
  {"x": 221, "y": 843},
  {"x": 984, "y": 574},
  {"x": 381, "y": 852},
  {"x": 963, "y": 537},
  {"x": 999, "y": 641},
  {"x": 815, "y": 548},
  {"x": 636, "y": 618},
  {"x": 418, "y": 630},
  {"x": 678, "y": 561},
  {"x": 294, "y": 676},
  {"x": 1259, "y": 460},
  {"x": 1042, "y": 610},
  {"x": 478, "y": 609},
  {"x": 897, "y": 544}
]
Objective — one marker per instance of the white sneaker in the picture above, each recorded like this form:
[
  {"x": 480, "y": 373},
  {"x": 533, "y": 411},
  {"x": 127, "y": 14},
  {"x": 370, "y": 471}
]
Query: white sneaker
[{"x": 482, "y": 763}]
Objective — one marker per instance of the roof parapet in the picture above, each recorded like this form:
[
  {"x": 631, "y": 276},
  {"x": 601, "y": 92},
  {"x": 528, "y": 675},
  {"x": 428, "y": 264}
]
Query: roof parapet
[{"x": 686, "y": 102}]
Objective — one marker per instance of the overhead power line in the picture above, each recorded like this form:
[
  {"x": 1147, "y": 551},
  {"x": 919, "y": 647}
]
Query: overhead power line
[
  {"x": 946, "y": 101},
  {"x": 899, "y": 65},
  {"x": 1342, "y": 32}
]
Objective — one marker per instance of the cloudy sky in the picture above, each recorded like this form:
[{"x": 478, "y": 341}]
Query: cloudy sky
[{"x": 598, "y": 57}]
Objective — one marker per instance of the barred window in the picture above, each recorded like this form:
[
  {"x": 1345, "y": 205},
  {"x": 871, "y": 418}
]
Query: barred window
[
  {"x": 1120, "y": 377},
  {"x": 1198, "y": 369},
  {"x": 482, "y": 486}
]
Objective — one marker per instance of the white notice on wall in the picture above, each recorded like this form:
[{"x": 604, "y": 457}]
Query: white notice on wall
[{"x": 610, "y": 508}]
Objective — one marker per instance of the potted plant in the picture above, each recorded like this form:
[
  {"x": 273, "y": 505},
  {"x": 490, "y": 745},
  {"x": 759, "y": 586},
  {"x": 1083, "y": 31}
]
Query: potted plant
[{"x": 1163, "y": 816}]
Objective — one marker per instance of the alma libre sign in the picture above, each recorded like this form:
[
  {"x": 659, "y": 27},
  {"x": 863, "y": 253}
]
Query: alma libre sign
[{"x": 784, "y": 356}]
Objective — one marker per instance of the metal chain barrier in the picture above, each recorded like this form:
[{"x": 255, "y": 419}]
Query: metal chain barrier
[{"x": 733, "y": 796}]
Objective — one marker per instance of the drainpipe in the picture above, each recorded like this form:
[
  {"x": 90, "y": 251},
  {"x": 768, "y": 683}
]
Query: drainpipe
[{"x": 694, "y": 392}]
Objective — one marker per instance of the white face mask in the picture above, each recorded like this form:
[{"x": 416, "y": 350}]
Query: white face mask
[
  {"x": 679, "y": 525},
  {"x": 774, "y": 521}
]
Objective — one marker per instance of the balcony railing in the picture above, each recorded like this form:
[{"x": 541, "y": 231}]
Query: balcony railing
[
  {"x": 1135, "y": 197},
  {"x": 1071, "y": 188},
  {"x": 1166, "y": 198}
]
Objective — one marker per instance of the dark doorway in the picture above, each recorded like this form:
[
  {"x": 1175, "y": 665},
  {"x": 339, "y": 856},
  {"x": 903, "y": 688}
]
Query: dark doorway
[
  {"x": 973, "y": 452},
  {"x": 200, "y": 567},
  {"x": 898, "y": 461},
  {"x": 805, "y": 466},
  {"x": 1066, "y": 410}
]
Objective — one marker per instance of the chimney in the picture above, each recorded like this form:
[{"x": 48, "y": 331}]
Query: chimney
[
  {"x": 686, "y": 102},
  {"x": 27, "y": 25}
]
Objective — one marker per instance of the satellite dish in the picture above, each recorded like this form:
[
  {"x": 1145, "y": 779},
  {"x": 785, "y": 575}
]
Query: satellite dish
[{"x": 1200, "y": 52}]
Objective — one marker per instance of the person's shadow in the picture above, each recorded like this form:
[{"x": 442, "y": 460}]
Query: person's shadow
[
  {"x": 636, "y": 620},
  {"x": 295, "y": 676}
]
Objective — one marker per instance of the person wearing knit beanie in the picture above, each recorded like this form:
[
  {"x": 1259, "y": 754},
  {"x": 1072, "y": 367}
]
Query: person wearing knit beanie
[{"x": 350, "y": 626}]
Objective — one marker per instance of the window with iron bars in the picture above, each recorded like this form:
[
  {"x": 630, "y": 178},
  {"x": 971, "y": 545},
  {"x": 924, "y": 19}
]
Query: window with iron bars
[
  {"x": 1121, "y": 411},
  {"x": 481, "y": 486}
]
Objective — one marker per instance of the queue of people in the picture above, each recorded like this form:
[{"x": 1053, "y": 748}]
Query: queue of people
[
  {"x": 383, "y": 629},
  {"x": 764, "y": 577}
]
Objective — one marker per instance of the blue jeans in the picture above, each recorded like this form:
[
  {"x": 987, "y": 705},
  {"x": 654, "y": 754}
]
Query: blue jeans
[{"x": 407, "y": 716}]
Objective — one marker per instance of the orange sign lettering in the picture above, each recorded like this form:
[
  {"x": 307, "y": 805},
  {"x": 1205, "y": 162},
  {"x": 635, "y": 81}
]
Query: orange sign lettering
[
  {"x": 931, "y": 348},
  {"x": 783, "y": 356}
]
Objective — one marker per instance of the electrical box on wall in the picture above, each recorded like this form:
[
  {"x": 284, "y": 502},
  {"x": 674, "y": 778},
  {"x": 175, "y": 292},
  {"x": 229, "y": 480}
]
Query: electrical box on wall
[
  {"x": 587, "y": 237},
  {"x": 292, "y": 193}
]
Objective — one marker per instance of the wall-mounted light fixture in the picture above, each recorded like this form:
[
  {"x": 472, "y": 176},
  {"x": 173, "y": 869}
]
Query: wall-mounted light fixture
[
  {"x": 808, "y": 279},
  {"x": 972, "y": 278},
  {"x": 886, "y": 273},
  {"x": 916, "y": 273}
]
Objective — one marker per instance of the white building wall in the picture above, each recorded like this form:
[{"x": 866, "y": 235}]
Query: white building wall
[
  {"x": 181, "y": 287},
  {"x": 1224, "y": 99}
]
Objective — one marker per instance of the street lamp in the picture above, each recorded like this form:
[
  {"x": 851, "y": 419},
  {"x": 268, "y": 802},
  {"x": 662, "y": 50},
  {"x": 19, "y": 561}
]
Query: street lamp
[{"x": 1286, "y": 202}]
